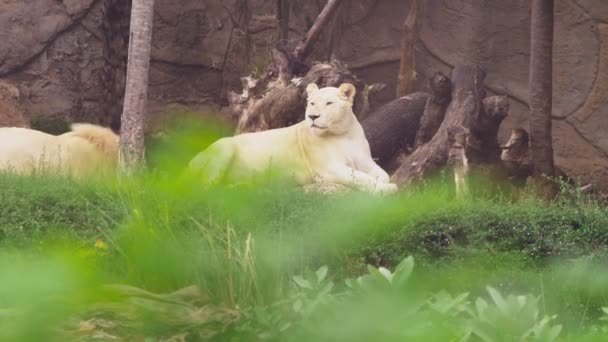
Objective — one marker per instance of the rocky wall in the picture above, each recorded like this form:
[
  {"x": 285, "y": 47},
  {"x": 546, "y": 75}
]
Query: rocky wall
[{"x": 67, "y": 58}]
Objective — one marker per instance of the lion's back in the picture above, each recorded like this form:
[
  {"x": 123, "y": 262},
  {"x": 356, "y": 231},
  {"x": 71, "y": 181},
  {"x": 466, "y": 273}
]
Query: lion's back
[
  {"x": 20, "y": 148},
  {"x": 249, "y": 155},
  {"x": 25, "y": 151}
]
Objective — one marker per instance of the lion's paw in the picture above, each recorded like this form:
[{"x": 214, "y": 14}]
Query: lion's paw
[{"x": 387, "y": 188}]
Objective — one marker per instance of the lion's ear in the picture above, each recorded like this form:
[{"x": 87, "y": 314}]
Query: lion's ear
[
  {"x": 347, "y": 91},
  {"x": 311, "y": 87}
]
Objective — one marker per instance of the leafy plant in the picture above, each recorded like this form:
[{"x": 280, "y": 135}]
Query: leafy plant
[
  {"x": 446, "y": 304},
  {"x": 381, "y": 279},
  {"x": 514, "y": 318},
  {"x": 313, "y": 289}
]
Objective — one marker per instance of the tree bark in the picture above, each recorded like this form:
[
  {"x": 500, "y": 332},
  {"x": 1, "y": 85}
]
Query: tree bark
[
  {"x": 393, "y": 126},
  {"x": 434, "y": 111},
  {"x": 407, "y": 68},
  {"x": 283, "y": 19},
  {"x": 541, "y": 78},
  {"x": 476, "y": 150},
  {"x": 304, "y": 47},
  {"x": 131, "y": 153},
  {"x": 468, "y": 130}
]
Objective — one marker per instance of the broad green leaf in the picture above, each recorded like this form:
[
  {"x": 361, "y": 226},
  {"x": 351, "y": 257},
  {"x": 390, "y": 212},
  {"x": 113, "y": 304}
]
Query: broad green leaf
[
  {"x": 554, "y": 332},
  {"x": 386, "y": 273},
  {"x": 403, "y": 272},
  {"x": 351, "y": 283},
  {"x": 498, "y": 299},
  {"x": 303, "y": 283},
  {"x": 326, "y": 289},
  {"x": 481, "y": 306},
  {"x": 405, "y": 268},
  {"x": 484, "y": 330},
  {"x": 321, "y": 274}
]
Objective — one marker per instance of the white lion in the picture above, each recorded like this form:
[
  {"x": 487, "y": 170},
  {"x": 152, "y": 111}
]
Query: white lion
[
  {"x": 83, "y": 151},
  {"x": 328, "y": 146}
]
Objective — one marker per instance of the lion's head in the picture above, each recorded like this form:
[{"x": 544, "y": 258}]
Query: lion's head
[{"x": 330, "y": 109}]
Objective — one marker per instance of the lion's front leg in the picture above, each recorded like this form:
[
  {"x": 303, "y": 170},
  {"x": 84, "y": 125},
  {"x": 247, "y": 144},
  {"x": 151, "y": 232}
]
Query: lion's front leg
[
  {"x": 369, "y": 166},
  {"x": 377, "y": 172},
  {"x": 213, "y": 163},
  {"x": 355, "y": 178}
]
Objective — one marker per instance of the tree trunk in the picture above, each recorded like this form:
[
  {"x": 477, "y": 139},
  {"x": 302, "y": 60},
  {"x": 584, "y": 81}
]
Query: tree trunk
[
  {"x": 393, "y": 127},
  {"x": 283, "y": 19},
  {"x": 434, "y": 111},
  {"x": 541, "y": 64},
  {"x": 131, "y": 154},
  {"x": 304, "y": 47},
  {"x": 468, "y": 131},
  {"x": 407, "y": 68}
]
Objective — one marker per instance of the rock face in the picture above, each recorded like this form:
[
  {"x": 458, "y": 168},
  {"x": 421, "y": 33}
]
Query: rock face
[
  {"x": 11, "y": 112},
  {"x": 67, "y": 58},
  {"x": 499, "y": 39}
]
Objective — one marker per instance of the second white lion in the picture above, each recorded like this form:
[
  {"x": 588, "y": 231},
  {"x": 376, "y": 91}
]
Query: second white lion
[{"x": 329, "y": 145}]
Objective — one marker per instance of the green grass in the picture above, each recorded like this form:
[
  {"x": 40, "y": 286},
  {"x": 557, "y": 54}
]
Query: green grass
[
  {"x": 242, "y": 247},
  {"x": 33, "y": 207}
]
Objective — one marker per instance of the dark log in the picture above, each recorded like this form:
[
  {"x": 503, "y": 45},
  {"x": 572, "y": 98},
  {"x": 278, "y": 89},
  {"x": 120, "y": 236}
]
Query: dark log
[
  {"x": 393, "y": 126},
  {"x": 436, "y": 105},
  {"x": 469, "y": 121},
  {"x": 304, "y": 47},
  {"x": 493, "y": 111}
]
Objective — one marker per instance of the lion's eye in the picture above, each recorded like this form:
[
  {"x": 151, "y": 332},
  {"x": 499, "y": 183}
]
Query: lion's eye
[
  {"x": 329, "y": 103},
  {"x": 312, "y": 103}
]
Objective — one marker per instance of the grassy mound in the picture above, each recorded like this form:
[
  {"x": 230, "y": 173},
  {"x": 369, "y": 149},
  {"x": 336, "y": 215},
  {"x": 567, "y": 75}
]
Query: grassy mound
[{"x": 236, "y": 262}]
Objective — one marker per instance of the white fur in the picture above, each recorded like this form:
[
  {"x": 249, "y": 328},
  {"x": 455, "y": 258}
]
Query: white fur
[
  {"x": 82, "y": 151},
  {"x": 332, "y": 148}
]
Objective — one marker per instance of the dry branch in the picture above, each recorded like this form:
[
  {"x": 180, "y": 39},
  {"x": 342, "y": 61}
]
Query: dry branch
[
  {"x": 283, "y": 19},
  {"x": 407, "y": 68},
  {"x": 304, "y": 47}
]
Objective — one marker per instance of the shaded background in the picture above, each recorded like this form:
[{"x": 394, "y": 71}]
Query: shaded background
[{"x": 64, "y": 61}]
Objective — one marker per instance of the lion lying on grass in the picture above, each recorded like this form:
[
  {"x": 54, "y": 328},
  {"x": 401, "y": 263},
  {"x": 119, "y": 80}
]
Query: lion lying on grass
[
  {"x": 329, "y": 146},
  {"x": 84, "y": 150}
]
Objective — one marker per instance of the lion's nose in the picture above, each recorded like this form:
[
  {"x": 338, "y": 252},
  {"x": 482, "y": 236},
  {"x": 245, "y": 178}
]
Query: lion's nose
[{"x": 313, "y": 117}]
